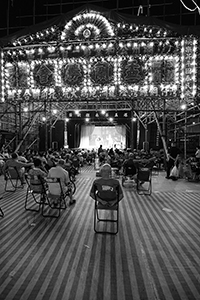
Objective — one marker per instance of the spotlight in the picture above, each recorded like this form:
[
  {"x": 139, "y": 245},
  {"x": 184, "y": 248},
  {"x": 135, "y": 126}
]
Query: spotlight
[
  {"x": 25, "y": 109},
  {"x": 183, "y": 106},
  {"x": 77, "y": 112}
]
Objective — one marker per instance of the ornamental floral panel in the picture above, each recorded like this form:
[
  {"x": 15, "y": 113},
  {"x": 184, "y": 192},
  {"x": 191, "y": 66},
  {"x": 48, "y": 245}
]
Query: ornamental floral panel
[
  {"x": 157, "y": 72},
  {"x": 72, "y": 74},
  {"x": 168, "y": 71},
  {"x": 43, "y": 75},
  {"x": 102, "y": 72},
  {"x": 11, "y": 76},
  {"x": 163, "y": 71},
  {"x": 23, "y": 73},
  {"x": 132, "y": 71}
]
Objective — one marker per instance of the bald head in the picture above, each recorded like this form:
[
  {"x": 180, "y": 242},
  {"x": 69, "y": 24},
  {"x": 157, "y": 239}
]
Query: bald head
[{"x": 106, "y": 171}]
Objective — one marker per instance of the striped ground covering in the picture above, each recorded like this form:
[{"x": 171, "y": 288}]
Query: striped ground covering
[{"x": 155, "y": 255}]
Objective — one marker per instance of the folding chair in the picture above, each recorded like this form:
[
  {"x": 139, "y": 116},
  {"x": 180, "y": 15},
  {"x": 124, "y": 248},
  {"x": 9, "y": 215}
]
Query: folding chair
[
  {"x": 13, "y": 179},
  {"x": 144, "y": 183},
  {"x": 101, "y": 209},
  {"x": 1, "y": 212},
  {"x": 35, "y": 192},
  {"x": 54, "y": 203}
]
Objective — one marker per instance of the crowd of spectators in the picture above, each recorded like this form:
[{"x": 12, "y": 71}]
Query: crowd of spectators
[{"x": 74, "y": 159}]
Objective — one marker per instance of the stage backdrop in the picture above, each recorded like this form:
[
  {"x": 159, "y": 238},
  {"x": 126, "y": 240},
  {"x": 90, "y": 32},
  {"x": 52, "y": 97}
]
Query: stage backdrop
[{"x": 108, "y": 136}]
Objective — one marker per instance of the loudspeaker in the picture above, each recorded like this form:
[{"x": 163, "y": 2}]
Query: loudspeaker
[
  {"x": 54, "y": 135},
  {"x": 58, "y": 134}
]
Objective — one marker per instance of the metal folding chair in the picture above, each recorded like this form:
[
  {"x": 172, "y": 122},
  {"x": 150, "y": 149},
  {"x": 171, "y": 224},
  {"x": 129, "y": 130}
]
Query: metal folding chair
[
  {"x": 1, "y": 212},
  {"x": 53, "y": 204},
  {"x": 100, "y": 210},
  {"x": 144, "y": 181},
  {"x": 13, "y": 180},
  {"x": 35, "y": 193}
]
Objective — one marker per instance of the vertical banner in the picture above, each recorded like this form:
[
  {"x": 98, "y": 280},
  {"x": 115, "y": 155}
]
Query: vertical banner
[{"x": 188, "y": 70}]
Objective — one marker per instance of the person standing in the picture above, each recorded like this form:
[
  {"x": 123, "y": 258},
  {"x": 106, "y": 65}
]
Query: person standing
[
  {"x": 173, "y": 154},
  {"x": 197, "y": 154}
]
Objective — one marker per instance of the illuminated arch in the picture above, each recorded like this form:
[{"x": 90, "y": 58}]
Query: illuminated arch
[{"x": 87, "y": 26}]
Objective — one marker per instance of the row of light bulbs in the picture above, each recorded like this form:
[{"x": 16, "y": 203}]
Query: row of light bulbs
[{"x": 92, "y": 46}]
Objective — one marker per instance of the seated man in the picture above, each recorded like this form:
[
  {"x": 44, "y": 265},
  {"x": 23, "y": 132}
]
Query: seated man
[
  {"x": 129, "y": 167},
  {"x": 20, "y": 166},
  {"x": 59, "y": 172},
  {"x": 106, "y": 188}
]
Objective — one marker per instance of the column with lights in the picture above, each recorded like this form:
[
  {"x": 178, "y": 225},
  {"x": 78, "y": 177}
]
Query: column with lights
[{"x": 66, "y": 133}]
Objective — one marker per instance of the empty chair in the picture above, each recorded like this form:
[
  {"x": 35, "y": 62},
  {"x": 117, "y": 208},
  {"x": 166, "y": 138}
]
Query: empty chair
[
  {"x": 1, "y": 212},
  {"x": 144, "y": 180}
]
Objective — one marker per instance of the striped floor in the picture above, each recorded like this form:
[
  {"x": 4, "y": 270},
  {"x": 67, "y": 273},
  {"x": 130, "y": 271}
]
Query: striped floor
[{"x": 155, "y": 255}]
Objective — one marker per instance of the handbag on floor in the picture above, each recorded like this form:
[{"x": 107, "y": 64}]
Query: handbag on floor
[{"x": 174, "y": 174}]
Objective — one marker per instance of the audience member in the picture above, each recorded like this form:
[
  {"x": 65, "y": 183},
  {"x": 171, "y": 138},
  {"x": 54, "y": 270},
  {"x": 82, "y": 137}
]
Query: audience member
[
  {"x": 21, "y": 166},
  {"x": 105, "y": 186},
  {"x": 37, "y": 175},
  {"x": 129, "y": 166},
  {"x": 59, "y": 172}
]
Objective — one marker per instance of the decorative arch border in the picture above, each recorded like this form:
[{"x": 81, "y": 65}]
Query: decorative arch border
[{"x": 87, "y": 26}]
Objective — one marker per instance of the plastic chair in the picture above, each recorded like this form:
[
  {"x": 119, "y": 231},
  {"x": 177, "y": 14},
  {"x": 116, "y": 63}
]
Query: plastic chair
[
  {"x": 113, "y": 217},
  {"x": 35, "y": 193},
  {"x": 144, "y": 180},
  {"x": 13, "y": 179}
]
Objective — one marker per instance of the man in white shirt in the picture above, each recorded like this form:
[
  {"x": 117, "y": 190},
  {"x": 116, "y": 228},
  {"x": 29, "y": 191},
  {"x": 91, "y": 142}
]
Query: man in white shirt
[{"x": 59, "y": 172}]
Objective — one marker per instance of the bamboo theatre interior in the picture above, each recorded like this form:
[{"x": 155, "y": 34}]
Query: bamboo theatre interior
[{"x": 94, "y": 76}]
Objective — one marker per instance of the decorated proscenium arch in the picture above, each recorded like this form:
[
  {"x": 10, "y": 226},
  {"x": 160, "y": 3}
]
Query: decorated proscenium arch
[{"x": 93, "y": 57}]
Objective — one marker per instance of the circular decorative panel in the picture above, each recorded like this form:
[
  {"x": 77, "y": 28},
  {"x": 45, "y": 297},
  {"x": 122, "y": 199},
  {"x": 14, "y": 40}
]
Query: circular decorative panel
[
  {"x": 102, "y": 73},
  {"x": 72, "y": 74},
  {"x": 132, "y": 71},
  {"x": 44, "y": 74}
]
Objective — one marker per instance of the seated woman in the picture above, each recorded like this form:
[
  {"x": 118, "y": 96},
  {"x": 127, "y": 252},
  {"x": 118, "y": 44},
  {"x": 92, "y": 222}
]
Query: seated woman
[
  {"x": 20, "y": 166},
  {"x": 106, "y": 190},
  {"x": 37, "y": 176}
]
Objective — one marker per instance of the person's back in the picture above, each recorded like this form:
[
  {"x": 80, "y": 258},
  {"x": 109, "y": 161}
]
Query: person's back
[
  {"x": 129, "y": 166},
  {"x": 58, "y": 172},
  {"x": 106, "y": 189},
  {"x": 54, "y": 188},
  {"x": 37, "y": 176}
]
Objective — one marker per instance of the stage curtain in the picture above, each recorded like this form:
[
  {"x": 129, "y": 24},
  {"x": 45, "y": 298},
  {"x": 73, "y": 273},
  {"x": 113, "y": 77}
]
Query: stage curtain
[
  {"x": 86, "y": 132},
  {"x": 121, "y": 130}
]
